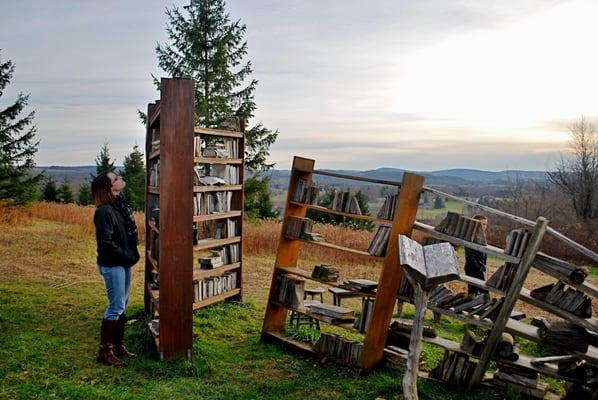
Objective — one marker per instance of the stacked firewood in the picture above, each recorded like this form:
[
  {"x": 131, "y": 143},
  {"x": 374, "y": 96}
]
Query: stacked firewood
[{"x": 567, "y": 299}]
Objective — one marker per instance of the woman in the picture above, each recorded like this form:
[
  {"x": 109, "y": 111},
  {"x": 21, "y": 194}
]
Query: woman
[{"x": 116, "y": 236}]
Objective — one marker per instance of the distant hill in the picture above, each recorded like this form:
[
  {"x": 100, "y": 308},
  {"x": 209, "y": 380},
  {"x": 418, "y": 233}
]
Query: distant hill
[{"x": 280, "y": 178}]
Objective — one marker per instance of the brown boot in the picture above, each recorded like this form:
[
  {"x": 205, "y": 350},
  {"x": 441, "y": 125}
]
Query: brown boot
[
  {"x": 119, "y": 344},
  {"x": 106, "y": 353}
]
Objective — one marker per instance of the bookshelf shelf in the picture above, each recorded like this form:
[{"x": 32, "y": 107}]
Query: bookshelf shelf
[
  {"x": 151, "y": 260},
  {"x": 153, "y": 226},
  {"x": 224, "y": 161},
  {"x": 307, "y": 275},
  {"x": 216, "y": 299},
  {"x": 172, "y": 141},
  {"x": 209, "y": 217},
  {"x": 344, "y": 214},
  {"x": 154, "y": 154},
  {"x": 220, "y": 188},
  {"x": 209, "y": 243},
  {"x": 340, "y": 248},
  {"x": 218, "y": 132},
  {"x": 207, "y": 273}
]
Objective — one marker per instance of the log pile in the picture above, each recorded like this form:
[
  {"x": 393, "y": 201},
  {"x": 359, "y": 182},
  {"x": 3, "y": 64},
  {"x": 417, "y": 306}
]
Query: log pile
[
  {"x": 565, "y": 298},
  {"x": 454, "y": 368},
  {"x": 462, "y": 227}
]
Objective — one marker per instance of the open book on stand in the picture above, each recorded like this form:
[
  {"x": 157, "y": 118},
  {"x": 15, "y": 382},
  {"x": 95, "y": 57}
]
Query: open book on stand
[{"x": 428, "y": 265}]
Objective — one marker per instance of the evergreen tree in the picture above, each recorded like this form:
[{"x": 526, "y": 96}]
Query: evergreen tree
[
  {"x": 65, "y": 193},
  {"x": 84, "y": 194},
  {"x": 206, "y": 46},
  {"x": 257, "y": 199},
  {"x": 50, "y": 191},
  {"x": 134, "y": 176},
  {"x": 103, "y": 162},
  {"x": 17, "y": 146}
]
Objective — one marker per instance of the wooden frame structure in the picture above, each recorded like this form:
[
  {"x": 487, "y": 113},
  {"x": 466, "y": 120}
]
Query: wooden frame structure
[
  {"x": 288, "y": 253},
  {"x": 404, "y": 222},
  {"x": 169, "y": 149}
]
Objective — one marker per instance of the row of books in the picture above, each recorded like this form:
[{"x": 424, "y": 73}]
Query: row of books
[
  {"x": 304, "y": 192},
  {"x": 226, "y": 228},
  {"x": 343, "y": 350},
  {"x": 228, "y": 254},
  {"x": 222, "y": 148},
  {"x": 380, "y": 241},
  {"x": 214, "y": 286},
  {"x": 345, "y": 202},
  {"x": 387, "y": 211},
  {"x": 289, "y": 291},
  {"x": 212, "y": 202},
  {"x": 300, "y": 228},
  {"x": 154, "y": 178}
]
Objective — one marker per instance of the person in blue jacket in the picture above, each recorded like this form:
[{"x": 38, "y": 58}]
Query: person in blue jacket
[{"x": 116, "y": 237}]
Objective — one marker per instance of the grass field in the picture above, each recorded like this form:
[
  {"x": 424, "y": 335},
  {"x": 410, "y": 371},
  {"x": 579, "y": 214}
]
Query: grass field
[{"x": 51, "y": 302}]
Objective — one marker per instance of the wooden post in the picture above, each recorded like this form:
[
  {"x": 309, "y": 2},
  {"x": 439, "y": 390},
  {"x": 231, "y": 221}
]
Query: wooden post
[
  {"x": 509, "y": 300},
  {"x": 415, "y": 344},
  {"x": 176, "y": 214},
  {"x": 390, "y": 276},
  {"x": 288, "y": 249}
]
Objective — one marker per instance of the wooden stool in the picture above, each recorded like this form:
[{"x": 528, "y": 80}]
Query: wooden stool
[
  {"x": 301, "y": 319},
  {"x": 339, "y": 293}
]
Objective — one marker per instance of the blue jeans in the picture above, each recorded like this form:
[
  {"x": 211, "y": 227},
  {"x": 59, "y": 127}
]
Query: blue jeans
[{"x": 118, "y": 288}]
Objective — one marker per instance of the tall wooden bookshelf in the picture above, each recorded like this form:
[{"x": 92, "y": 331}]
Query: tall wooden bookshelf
[
  {"x": 385, "y": 298},
  {"x": 177, "y": 235}
]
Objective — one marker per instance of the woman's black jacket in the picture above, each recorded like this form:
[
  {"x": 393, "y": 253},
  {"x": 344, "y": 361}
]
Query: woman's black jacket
[{"x": 114, "y": 248}]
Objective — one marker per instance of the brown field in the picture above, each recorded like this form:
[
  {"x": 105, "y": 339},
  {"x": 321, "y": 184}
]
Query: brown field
[{"x": 65, "y": 251}]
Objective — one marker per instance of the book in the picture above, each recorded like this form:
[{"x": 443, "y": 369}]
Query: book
[{"x": 428, "y": 265}]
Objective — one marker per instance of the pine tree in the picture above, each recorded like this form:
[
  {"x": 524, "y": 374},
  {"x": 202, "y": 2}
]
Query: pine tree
[
  {"x": 17, "y": 147},
  {"x": 257, "y": 199},
  {"x": 134, "y": 176},
  {"x": 103, "y": 162},
  {"x": 84, "y": 194},
  {"x": 209, "y": 48},
  {"x": 50, "y": 191},
  {"x": 65, "y": 193}
]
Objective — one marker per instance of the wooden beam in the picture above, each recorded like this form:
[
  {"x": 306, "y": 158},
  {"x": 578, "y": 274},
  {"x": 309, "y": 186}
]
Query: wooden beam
[
  {"x": 509, "y": 301},
  {"x": 390, "y": 276}
]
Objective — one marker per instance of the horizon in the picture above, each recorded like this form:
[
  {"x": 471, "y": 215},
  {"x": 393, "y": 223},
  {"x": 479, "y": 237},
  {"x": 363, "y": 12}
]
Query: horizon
[{"x": 431, "y": 85}]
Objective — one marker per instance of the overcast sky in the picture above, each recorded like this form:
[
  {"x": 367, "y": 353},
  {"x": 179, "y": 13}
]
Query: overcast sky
[{"x": 421, "y": 85}]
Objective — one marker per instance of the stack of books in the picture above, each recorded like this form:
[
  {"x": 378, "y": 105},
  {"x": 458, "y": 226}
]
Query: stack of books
[
  {"x": 325, "y": 273},
  {"x": 155, "y": 145},
  {"x": 331, "y": 314},
  {"x": 304, "y": 192},
  {"x": 212, "y": 261},
  {"x": 229, "y": 254},
  {"x": 228, "y": 173},
  {"x": 226, "y": 229},
  {"x": 380, "y": 241},
  {"x": 345, "y": 202},
  {"x": 343, "y": 350},
  {"x": 154, "y": 327},
  {"x": 214, "y": 286},
  {"x": 289, "y": 291},
  {"x": 388, "y": 208},
  {"x": 300, "y": 228},
  {"x": 359, "y": 285}
]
